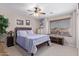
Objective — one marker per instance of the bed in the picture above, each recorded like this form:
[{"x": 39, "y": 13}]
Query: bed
[{"x": 29, "y": 40}]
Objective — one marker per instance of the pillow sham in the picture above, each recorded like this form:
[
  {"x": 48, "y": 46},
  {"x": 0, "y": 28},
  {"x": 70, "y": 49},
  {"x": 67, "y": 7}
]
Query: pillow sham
[
  {"x": 22, "y": 33},
  {"x": 30, "y": 32},
  {"x": 18, "y": 33}
]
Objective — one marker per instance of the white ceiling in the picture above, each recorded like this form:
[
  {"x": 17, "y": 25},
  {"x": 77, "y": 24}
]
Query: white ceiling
[{"x": 56, "y": 8}]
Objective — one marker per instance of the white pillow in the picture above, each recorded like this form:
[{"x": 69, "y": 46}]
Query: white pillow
[
  {"x": 18, "y": 33},
  {"x": 30, "y": 32},
  {"x": 22, "y": 33}
]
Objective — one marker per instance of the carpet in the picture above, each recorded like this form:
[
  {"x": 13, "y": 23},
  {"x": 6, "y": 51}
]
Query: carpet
[{"x": 2, "y": 51}]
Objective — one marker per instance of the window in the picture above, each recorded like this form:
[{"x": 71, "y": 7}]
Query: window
[
  {"x": 61, "y": 27},
  {"x": 62, "y": 23}
]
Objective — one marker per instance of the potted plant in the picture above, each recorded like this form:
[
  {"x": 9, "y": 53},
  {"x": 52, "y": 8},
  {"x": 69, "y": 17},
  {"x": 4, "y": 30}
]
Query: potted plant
[{"x": 3, "y": 25}]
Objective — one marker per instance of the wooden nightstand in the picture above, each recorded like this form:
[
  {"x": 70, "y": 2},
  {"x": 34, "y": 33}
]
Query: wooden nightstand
[
  {"x": 10, "y": 41},
  {"x": 57, "y": 40}
]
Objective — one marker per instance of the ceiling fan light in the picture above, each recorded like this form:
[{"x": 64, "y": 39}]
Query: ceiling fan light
[{"x": 36, "y": 14}]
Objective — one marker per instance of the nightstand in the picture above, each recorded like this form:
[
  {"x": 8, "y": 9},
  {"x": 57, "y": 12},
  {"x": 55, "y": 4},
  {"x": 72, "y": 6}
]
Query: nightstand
[
  {"x": 57, "y": 40},
  {"x": 10, "y": 41}
]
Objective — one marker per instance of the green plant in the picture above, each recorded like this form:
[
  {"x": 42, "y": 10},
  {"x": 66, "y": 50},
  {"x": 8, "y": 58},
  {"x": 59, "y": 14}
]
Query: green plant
[{"x": 3, "y": 24}]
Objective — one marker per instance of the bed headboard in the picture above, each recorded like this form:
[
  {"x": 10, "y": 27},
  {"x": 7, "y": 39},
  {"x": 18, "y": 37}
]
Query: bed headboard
[{"x": 21, "y": 28}]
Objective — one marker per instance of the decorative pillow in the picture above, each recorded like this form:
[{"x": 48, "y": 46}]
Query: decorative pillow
[
  {"x": 18, "y": 33},
  {"x": 30, "y": 32},
  {"x": 22, "y": 33}
]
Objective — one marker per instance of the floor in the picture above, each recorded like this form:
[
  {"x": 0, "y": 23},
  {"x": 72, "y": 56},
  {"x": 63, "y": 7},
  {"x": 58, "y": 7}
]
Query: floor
[
  {"x": 53, "y": 50},
  {"x": 2, "y": 50}
]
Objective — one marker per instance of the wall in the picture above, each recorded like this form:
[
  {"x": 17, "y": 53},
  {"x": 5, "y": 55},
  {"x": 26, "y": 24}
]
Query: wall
[
  {"x": 77, "y": 30},
  {"x": 14, "y": 16},
  {"x": 73, "y": 25}
]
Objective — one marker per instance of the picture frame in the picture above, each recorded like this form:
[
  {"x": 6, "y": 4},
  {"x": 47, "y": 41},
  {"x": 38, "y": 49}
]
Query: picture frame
[
  {"x": 27, "y": 22},
  {"x": 20, "y": 22}
]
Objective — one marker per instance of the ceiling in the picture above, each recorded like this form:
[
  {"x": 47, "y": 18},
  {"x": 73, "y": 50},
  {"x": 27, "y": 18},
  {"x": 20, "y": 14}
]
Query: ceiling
[{"x": 51, "y": 9}]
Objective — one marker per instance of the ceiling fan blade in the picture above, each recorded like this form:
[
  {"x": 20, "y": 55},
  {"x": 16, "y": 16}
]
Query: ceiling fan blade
[
  {"x": 43, "y": 13},
  {"x": 30, "y": 14},
  {"x": 30, "y": 10}
]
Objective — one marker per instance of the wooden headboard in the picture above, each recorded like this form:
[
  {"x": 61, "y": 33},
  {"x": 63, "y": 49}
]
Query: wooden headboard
[{"x": 23, "y": 28}]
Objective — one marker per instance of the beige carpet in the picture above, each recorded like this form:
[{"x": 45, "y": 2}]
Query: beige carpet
[
  {"x": 53, "y": 50},
  {"x": 2, "y": 51}
]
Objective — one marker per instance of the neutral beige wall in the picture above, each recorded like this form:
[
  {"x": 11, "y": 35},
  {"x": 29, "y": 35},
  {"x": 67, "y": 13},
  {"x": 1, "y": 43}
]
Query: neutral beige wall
[
  {"x": 73, "y": 25},
  {"x": 14, "y": 16},
  {"x": 77, "y": 30}
]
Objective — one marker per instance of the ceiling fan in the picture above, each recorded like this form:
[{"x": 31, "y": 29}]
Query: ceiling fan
[{"x": 36, "y": 11}]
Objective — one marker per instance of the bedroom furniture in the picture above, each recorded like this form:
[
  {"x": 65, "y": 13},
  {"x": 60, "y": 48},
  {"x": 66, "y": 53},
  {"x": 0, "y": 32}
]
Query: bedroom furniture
[
  {"x": 67, "y": 40},
  {"x": 28, "y": 40},
  {"x": 57, "y": 40},
  {"x": 10, "y": 41}
]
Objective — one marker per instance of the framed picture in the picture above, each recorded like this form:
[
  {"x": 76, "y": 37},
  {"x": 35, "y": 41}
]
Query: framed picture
[
  {"x": 20, "y": 22},
  {"x": 27, "y": 22}
]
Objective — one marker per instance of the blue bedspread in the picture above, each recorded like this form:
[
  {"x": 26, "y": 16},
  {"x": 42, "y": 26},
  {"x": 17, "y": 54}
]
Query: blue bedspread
[{"x": 29, "y": 42}]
